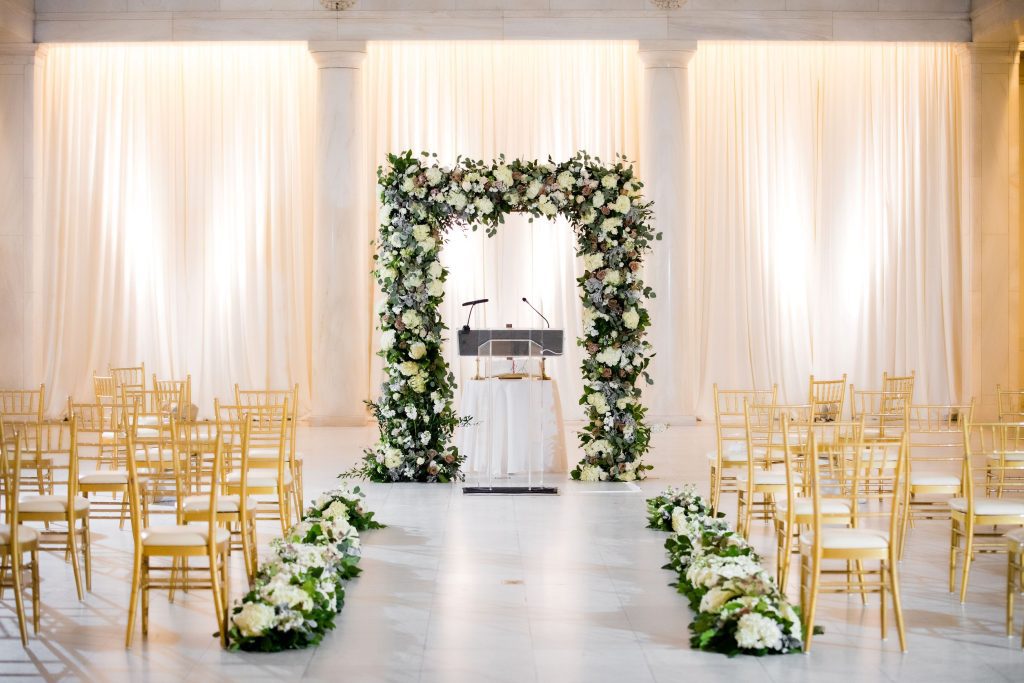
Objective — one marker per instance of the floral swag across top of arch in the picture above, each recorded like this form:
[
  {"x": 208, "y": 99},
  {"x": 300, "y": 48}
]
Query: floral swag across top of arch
[{"x": 421, "y": 201}]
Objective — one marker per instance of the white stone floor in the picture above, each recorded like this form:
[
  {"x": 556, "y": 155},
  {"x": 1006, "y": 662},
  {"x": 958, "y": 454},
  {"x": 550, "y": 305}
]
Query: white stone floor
[{"x": 462, "y": 588}]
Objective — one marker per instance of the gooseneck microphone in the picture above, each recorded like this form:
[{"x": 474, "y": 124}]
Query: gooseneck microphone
[
  {"x": 471, "y": 304},
  {"x": 536, "y": 311}
]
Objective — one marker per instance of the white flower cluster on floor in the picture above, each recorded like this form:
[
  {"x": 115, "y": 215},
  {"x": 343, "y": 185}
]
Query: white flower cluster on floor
[
  {"x": 739, "y": 608},
  {"x": 421, "y": 201},
  {"x": 299, "y": 591}
]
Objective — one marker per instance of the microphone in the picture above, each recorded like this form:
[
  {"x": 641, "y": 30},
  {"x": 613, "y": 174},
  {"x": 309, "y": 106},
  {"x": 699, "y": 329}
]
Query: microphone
[
  {"x": 536, "y": 311},
  {"x": 471, "y": 304}
]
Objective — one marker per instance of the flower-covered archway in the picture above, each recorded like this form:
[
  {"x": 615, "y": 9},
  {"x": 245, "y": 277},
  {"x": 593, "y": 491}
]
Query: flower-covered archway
[{"x": 421, "y": 201}]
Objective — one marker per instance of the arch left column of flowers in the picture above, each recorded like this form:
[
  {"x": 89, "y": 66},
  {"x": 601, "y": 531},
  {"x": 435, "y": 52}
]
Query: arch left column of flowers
[{"x": 420, "y": 202}]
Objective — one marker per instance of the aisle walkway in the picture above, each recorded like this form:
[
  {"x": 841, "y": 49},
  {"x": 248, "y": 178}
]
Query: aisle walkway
[{"x": 479, "y": 589}]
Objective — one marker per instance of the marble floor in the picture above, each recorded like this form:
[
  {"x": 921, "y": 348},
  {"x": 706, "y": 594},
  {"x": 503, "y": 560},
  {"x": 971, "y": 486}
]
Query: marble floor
[{"x": 464, "y": 588}]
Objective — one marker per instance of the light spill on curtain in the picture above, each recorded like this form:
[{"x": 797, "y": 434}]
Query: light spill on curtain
[
  {"x": 175, "y": 215},
  {"x": 828, "y": 215},
  {"x": 521, "y": 99}
]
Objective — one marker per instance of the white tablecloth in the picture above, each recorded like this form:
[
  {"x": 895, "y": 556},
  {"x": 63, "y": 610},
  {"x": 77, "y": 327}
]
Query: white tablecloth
[{"x": 516, "y": 423}]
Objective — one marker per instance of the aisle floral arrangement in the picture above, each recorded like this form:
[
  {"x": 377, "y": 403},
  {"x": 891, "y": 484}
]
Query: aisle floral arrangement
[
  {"x": 300, "y": 590},
  {"x": 421, "y": 201},
  {"x": 739, "y": 608}
]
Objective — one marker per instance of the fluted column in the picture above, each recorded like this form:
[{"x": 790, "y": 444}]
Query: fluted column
[
  {"x": 341, "y": 309},
  {"x": 665, "y": 143}
]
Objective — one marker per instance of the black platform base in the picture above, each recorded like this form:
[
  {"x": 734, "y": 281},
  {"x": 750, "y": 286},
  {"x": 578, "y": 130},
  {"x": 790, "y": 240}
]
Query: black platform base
[{"x": 511, "y": 490}]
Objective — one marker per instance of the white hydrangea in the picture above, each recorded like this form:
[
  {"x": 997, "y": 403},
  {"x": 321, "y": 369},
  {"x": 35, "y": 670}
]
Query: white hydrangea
[
  {"x": 435, "y": 269},
  {"x": 457, "y": 200},
  {"x": 546, "y": 207},
  {"x": 392, "y": 458},
  {"x": 435, "y": 287},
  {"x": 484, "y": 205},
  {"x": 387, "y": 339},
  {"x": 598, "y": 200},
  {"x": 756, "y": 631},
  {"x": 599, "y": 402},
  {"x": 503, "y": 174},
  {"x": 254, "y": 619},
  {"x": 417, "y": 350},
  {"x": 566, "y": 180},
  {"x": 609, "y": 356},
  {"x": 593, "y": 262},
  {"x": 418, "y": 383},
  {"x": 613, "y": 278},
  {"x": 411, "y": 318},
  {"x": 408, "y": 368},
  {"x": 592, "y": 473},
  {"x": 631, "y": 319},
  {"x": 622, "y": 204},
  {"x": 420, "y": 232},
  {"x": 610, "y": 181},
  {"x": 434, "y": 175}
]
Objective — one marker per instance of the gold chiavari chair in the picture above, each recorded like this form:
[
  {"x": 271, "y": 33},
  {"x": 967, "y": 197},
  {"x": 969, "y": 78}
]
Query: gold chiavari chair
[
  {"x": 177, "y": 544},
  {"x": 22, "y": 409},
  {"x": 233, "y": 428},
  {"x": 886, "y": 414},
  {"x": 827, "y": 397},
  {"x": 1010, "y": 404},
  {"x": 836, "y": 443},
  {"x": 104, "y": 388},
  {"x": 155, "y": 453},
  {"x": 17, "y": 540},
  {"x": 1014, "y": 575},
  {"x": 763, "y": 479},
  {"x": 872, "y": 536},
  {"x": 936, "y": 459},
  {"x": 729, "y": 458},
  {"x": 903, "y": 384},
  {"x": 100, "y": 436},
  {"x": 267, "y": 475},
  {"x": 175, "y": 396},
  {"x": 131, "y": 377},
  {"x": 983, "y": 506},
  {"x": 70, "y": 511},
  {"x": 251, "y": 397}
]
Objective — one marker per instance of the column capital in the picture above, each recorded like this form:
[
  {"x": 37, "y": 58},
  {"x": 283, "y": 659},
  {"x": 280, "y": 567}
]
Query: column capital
[
  {"x": 338, "y": 54},
  {"x": 991, "y": 53},
  {"x": 667, "y": 54}
]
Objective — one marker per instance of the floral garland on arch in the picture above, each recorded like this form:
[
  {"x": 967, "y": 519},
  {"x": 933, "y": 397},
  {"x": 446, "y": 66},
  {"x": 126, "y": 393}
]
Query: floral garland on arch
[
  {"x": 421, "y": 201},
  {"x": 739, "y": 608},
  {"x": 299, "y": 591}
]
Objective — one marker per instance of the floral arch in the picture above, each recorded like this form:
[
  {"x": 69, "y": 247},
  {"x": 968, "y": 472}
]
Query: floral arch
[{"x": 421, "y": 201}]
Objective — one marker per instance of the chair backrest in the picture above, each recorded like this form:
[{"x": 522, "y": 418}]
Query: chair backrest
[
  {"x": 1010, "y": 403},
  {"x": 22, "y": 405},
  {"x": 871, "y": 483},
  {"x": 937, "y": 432},
  {"x": 991, "y": 464},
  {"x": 886, "y": 414},
  {"x": 730, "y": 419},
  {"x": 261, "y": 397},
  {"x": 826, "y": 397},
  {"x": 233, "y": 428},
  {"x": 132, "y": 377},
  {"x": 10, "y": 479},
  {"x": 268, "y": 435},
  {"x": 99, "y": 426},
  {"x": 900, "y": 383},
  {"x": 174, "y": 395},
  {"x": 105, "y": 388}
]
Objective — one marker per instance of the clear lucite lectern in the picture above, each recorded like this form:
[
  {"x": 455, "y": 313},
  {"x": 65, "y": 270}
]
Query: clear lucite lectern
[{"x": 510, "y": 365}]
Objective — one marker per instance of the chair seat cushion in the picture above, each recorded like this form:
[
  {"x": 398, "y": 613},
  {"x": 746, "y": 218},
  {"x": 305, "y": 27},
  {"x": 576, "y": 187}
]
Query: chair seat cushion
[
  {"x": 1016, "y": 537},
  {"x": 772, "y": 478},
  {"x": 990, "y": 506},
  {"x": 1009, "y": 457},
  {"x": 104, "y": 477},
  {"x": 260, "y": 478},
  {"x": 26, "y": 534},
  {"x": 734, "y": 451},
  {"x": 805, "y": 507},
  {"x": 51, "y": 504},
  {"x": 934, "y": 480},
  {"x": 150, "y": 420},
  {"x": 201, "y": 503},
  {"x": 184, "y": 535},
  {"x": 264, "y": 452},
  {"x": 848, "y": 539}
]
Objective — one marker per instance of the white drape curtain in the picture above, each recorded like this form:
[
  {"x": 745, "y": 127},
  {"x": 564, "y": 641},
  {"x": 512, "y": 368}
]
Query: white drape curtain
[
  {"x": 828, "y": 215},
  {"x": 521, "y": 99},
  {"x": 175, "y": 215}
]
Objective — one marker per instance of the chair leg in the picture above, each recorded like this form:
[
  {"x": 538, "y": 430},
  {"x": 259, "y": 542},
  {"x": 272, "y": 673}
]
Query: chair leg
[
  {"x": 812, "y": 602},
  {"x": 715, "y": 486},
  {"x": 860, "y": 581},
  {"x": 896, "y": 604},
  {"x": 73, "y": 551},
  {"x": 217, "y": 603},
  {"x": 133, "y": 600},
  {"x": 954, "y": 546},
  {"x": 968, "y": 550},
  {"x": 247, "y": 548},
  {"x": 19, "y": 598},
  {"x": 35, "y": 592},
  {"x": 145, "y": 596},
  {"x": 1011, "y": 587},
  {"x": 87, "y": 549}
]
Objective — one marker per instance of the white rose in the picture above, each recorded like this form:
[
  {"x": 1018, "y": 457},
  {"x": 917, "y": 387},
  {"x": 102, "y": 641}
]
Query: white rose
[
  {"x": 435, "y": 269},
  {"x": 411, "y": 318},
  {"x": 534, "y": 189},
  {"x": 420, "y": 232},
  {"x": 610, "y": 181},
  {"x": 254, "y": 619},
  {"x": 631, "y": 318},
  {"x": 622, "y": 204},
  {"x": 599, "y": 402},
  {"x": 435, "y": 288},
  {"x": 387, "y": 339},
  {"x": 388, "y": 273},
  {"x": 434, "y": 175},
  {"x": 408, "y": 184},
  {"x": 408, "y": 368},
  {"x": 418, "y": 383},
  {"x": 588, "y": 215},
  {"x": 417, "y": 350},
  {"x": 428, "y": 244},
  {"x": 566, "y": 180},
  {"x": 609, "y": 356},
  {"x": 598, "y": 200},
  {"x": 503, "y": 174},
  {"x": 592, "y": 473},
  {"x": 612, "y": 277},
  {"x": 715, "y": 599},
  {"x": 392, "y": 459},
  {"x": 547, "y": 208}
]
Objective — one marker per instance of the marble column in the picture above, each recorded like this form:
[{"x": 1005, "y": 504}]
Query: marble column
[
  {"x": 17, "y": 76},
  {"x": 341, "y": 306},
  {"x": 665, "y": 163},
  {"x": 992, "y": 348}
]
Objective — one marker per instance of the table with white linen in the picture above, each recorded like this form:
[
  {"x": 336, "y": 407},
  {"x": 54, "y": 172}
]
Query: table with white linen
[{"x": 516, "y": 423}]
